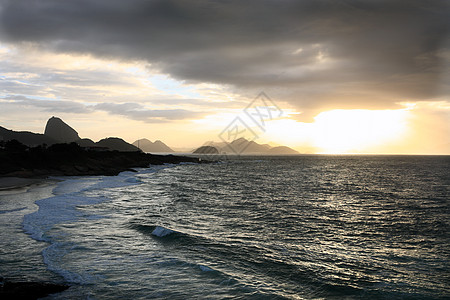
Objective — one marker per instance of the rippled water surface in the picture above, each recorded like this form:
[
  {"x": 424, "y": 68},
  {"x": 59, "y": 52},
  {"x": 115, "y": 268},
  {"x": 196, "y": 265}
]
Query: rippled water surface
[{"x": 305, "y": 227}]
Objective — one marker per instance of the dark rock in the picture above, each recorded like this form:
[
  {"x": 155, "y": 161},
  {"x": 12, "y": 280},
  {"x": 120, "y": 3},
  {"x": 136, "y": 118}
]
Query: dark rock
[
  {"x": 72, "y": 160},
  {"x": 60, "y": 131},
  {"x": 28, "y": 290}
]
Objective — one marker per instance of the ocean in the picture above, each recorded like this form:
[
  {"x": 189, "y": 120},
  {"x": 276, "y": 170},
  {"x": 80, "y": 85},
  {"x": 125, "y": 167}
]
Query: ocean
[{"x": 297, "y": 227}]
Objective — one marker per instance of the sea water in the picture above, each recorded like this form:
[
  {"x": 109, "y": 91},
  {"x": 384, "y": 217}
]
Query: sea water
[{"x": 300, "y": 227}]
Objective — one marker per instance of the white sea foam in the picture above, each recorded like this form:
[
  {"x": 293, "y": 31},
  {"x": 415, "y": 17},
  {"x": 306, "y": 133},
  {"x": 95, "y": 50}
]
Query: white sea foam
[
  {"x": 63, "y": 208},
  {"x": 52, "y": 258},
  {"x": 160, "y": 231},
  {"x": 55, "y": 210},
  {"x": 205, "y": 268}
]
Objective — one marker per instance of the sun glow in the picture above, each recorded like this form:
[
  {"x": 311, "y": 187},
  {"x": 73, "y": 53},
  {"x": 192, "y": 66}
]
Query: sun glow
[
  {"x": 342, "y": 131},
  {"x": 356, "y": 131}
]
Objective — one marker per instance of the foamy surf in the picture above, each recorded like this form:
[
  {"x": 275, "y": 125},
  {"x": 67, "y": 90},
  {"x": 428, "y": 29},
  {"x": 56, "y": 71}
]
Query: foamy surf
[
  {"x": 70, "y": 194},
  {"x": 160, "y": 231}
]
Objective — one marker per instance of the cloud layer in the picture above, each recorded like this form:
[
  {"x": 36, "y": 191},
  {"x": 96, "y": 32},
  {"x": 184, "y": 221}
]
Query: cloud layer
[{"x": 313, "y": 54}]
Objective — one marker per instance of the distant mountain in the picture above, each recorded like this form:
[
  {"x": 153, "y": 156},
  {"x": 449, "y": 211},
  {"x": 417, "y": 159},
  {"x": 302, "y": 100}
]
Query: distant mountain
[
  {"x": 60, "y": 131},
  {"x": 114, "y": 143},
  {"x": 153, "y": 147},
  {"x": 282, "y": 150},
  {"x": 25, "y": 137},
  {"x": 244, "y": 146},
  {"x": 206, "y": 150},
  {"x": 57, "y": 131}
]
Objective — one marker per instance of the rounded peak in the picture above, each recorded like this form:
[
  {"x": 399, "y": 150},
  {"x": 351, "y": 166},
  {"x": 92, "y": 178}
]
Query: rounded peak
[{"x": 57, "y": 129}]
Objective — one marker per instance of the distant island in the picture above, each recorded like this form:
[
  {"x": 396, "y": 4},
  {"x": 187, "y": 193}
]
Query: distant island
[
  {"x": 60, "y": 151},
  {"x": 243, "y": 146},
  {"x": 153, "y": 147},
  {"x": 206, "y": 150}
]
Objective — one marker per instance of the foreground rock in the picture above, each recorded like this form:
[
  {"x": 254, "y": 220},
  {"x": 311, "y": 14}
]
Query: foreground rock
[{"x": 28, "y": 290}]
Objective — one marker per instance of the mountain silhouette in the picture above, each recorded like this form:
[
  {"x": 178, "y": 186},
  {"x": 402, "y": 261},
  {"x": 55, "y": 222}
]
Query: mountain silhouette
[
  {"x": 153, "y": 147},
  {"x": 244, "y": 146},
  {"x": 281, "y": 150},
  {"x": 25, "y": 137},
  {"x": 57, "y": 131},
  {"x": 60, "y": 131}
]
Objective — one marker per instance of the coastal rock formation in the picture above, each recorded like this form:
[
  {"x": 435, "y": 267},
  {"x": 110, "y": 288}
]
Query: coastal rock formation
[
  {"x": 28, "y": 290},
  {"x": 206, "y": 150},
  {"x": 114, "y": 143},
  {"x": 60, "y": 131},
  {"x": 73, "y": 160},
  {"x": 153, "y": 147}
]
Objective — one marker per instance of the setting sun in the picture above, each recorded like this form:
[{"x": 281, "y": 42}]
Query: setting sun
[{"x": 355, "y": 131}]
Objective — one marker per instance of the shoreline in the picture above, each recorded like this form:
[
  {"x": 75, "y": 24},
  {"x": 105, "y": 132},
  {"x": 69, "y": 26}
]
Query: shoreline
[
  {"x": 10, "y": 289},
  {"x": 75, "y": 162}
]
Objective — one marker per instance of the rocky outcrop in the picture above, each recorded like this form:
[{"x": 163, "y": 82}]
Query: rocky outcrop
[
  {"x": 60, "y": 131},
  {"x": 28, "y": 290},
  {"x": 152, "y": 147},
  {"x": 206, "y": 150}
]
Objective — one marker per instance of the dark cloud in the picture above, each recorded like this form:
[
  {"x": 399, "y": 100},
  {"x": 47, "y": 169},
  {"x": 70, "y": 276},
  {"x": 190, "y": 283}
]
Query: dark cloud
[
  {"x": 45, "y": 105},
  {"x": 138, "y": 112},
  {"x": 309, "y": 52},
  {"x": 130, "y": 110}
]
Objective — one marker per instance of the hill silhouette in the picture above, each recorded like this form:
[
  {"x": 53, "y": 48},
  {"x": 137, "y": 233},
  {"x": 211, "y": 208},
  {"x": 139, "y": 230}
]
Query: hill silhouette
[
  {"x": 206, "y": 150},
  {"x": 60, "y": 131},
  {"x": 114, "y": 143},
  {"x": 153, "y": 147},
  {"x": 25, "y": 137},
  {"x": 57, "y": 131},
  {"x": 244, "y": 146}
]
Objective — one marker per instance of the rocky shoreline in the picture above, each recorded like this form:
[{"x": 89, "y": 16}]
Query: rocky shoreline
[
  {"x": 73, "y": 160},
  {"x": 28, "y": 289}
]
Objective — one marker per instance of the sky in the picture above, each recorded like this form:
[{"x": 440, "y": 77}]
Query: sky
[{"x": 320, "y": 76}]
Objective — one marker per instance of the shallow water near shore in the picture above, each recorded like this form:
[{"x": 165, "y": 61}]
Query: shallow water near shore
[{"x": 303, "y": 227}]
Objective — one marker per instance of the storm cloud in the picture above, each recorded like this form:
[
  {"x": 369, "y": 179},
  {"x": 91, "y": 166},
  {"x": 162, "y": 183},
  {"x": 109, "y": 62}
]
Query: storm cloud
[{"x": 310, "y": 53}]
